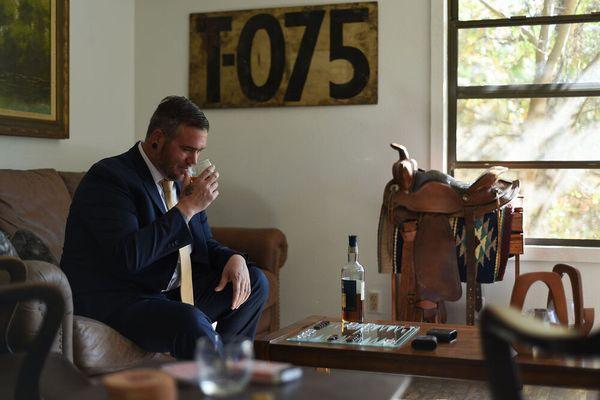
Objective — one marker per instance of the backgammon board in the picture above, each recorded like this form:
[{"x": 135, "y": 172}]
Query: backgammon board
[{"x": 355, "y": 333}]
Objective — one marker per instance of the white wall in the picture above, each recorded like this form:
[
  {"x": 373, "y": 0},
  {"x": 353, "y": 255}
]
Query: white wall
[
  {"x": 101, "y": 92},
  {"x": 317, "y": 173}
]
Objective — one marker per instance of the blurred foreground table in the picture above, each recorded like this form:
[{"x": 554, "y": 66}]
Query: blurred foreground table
[{"x": 319, "y": 384}]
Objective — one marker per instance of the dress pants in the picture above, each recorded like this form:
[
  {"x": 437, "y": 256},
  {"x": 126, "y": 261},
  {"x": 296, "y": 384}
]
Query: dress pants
[{"x": 161, "y": 323}]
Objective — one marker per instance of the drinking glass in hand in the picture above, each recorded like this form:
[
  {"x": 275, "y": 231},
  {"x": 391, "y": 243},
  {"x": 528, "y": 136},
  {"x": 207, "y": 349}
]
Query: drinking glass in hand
[
  {"x": 199, "y": 167},
  {"x": 223, "y": 369}
]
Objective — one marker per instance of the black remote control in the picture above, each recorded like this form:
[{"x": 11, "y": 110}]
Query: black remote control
[{"x": 443, "y": 335}]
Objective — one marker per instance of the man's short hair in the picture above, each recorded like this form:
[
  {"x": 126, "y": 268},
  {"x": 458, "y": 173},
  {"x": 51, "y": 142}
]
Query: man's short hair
[{"x": 173, "y": 111}]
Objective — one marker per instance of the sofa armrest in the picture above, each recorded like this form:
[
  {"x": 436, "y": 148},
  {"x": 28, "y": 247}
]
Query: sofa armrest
[
  {"x": 99, "y": 349},
  {"x": 12, "y": 270},
  {"x": 265, "y": 246},
  {"x": 15, "y": 268},
  {"x": 20, "y": 324}
]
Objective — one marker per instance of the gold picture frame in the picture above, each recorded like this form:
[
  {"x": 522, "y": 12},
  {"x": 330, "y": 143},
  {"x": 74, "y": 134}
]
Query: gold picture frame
[{"x": 34, "y": 69}]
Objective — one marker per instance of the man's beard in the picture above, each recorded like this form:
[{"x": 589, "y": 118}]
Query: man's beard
[{"x": 169, "y": 171}]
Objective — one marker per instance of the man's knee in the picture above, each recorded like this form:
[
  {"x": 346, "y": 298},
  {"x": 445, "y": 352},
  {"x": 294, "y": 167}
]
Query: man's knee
[{"x": 193, "y": 324}]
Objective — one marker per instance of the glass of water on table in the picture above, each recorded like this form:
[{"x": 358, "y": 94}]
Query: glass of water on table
[{"x": 223, "y": 368}]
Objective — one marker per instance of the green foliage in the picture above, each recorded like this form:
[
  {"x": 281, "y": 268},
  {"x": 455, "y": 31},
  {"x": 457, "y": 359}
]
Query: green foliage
[
  {"x": 8, "y": 11},
  {"x": 575, "y": 215},
  {"x": 507, "y": 55},
  {"x": 489, "y": 9},
  {"x": 25, "y": 61},
  {"x": 533, "y": 129}
]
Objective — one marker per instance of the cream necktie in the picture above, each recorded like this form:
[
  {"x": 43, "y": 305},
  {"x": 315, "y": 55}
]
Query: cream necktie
[{"x": 185, "y": 262}]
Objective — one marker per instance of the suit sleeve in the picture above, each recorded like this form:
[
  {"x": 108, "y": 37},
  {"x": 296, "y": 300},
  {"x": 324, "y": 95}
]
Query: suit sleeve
[
  {"x": 112, "y": 218},
  {"x": 218, "y": 254}
]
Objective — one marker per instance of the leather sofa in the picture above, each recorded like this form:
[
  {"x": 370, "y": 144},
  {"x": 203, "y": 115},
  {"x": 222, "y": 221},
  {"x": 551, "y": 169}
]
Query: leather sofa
[{"x": 38, "y": 201}]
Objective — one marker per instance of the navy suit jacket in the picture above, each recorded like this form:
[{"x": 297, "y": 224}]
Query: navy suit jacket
[{"x": 120, "y": 242}]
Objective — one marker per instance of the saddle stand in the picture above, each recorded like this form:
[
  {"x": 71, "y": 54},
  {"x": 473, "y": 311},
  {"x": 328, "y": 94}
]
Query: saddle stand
[{"x": 426, "y": 218}]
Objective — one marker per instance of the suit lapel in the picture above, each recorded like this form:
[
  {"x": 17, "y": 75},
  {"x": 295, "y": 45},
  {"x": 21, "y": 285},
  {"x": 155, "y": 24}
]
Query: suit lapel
[
  {"x": 144, "y": 173},
  {"x": 154, "y": 195}
]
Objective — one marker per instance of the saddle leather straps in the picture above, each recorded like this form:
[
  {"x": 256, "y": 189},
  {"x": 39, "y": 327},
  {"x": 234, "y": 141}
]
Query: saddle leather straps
[
  {"x": 408, "y": 284},
  {"x": 471, "y": 261},
  {"x": 436, "y": 266}
]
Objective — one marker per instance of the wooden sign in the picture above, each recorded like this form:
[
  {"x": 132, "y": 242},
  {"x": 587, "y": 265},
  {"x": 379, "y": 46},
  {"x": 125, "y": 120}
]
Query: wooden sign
[{"x": 293, "y": 56}]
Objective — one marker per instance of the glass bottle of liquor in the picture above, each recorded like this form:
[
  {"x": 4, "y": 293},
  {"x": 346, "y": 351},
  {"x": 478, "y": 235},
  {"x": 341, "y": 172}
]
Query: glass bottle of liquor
[{"x": 353, "y": 285}]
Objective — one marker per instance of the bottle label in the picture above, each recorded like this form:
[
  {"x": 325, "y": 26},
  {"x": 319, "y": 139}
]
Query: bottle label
[{"x": 351, "y": 291}]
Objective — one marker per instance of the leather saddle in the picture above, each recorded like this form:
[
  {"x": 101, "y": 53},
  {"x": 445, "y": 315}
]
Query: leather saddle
[{"x": 419, "y": 206}]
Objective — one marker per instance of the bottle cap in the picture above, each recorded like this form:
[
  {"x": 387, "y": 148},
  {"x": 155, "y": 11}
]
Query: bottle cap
[{"x": 352, "y": 240}]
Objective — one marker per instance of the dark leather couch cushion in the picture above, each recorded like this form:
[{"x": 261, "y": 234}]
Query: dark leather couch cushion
[
  {"x": 36, "y": 200},
  {"x": 30, "y": 247}
]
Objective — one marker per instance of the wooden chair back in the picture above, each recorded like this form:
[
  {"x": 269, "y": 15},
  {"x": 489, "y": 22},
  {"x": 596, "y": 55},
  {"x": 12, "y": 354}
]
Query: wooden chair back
[
  {"x": 556, "y": 292},
  {"x": 584, "y": 317}
]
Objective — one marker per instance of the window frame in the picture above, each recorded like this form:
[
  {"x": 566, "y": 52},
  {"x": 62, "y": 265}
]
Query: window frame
[{"x": 456, "y": 93}]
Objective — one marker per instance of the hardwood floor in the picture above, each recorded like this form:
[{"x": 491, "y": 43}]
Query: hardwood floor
[{"x": 455, "y": 389}]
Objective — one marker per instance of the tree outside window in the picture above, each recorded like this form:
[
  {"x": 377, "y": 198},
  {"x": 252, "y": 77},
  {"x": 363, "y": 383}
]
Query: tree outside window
[{"x": 524, "y": 92}]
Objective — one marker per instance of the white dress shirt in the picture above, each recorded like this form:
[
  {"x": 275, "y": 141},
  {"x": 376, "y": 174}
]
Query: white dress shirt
[{"x": 175, "y": 281}]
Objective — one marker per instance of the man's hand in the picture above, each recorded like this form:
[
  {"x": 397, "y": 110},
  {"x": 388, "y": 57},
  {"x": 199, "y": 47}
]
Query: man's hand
[
  {"x": 236, "y": 272},
  {"x": 198, "y": 192}
]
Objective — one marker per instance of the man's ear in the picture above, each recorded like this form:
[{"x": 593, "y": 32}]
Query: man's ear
[{"x": 156, "y": 139}]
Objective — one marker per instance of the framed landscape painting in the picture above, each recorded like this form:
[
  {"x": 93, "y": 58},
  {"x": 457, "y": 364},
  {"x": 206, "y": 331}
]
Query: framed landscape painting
[{"x": 34, "y": 68}]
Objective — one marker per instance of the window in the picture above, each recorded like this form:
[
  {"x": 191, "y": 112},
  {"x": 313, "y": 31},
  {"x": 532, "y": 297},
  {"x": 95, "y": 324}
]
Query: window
[{"x": 524, "y": 92}]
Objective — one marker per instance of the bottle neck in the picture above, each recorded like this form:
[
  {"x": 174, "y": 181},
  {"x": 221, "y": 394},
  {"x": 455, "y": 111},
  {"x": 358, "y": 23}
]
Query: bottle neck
[{"x": 352, "y": 254}]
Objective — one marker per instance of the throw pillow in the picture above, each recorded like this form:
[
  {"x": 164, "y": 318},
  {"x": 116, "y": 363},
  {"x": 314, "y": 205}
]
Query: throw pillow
[
  {"x": 31, "y": 247},
  {"x": 6, "y": 247}
]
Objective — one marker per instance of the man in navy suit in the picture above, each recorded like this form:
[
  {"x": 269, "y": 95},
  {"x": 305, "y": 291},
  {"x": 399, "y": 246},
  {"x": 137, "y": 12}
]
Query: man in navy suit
[{"x": 121, "y": 251}]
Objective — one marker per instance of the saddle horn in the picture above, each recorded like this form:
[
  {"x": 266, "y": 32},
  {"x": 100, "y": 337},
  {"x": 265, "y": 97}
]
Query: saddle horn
[
  {"x": 404, "y": 169},
  {"x": 402, "y": 152}
]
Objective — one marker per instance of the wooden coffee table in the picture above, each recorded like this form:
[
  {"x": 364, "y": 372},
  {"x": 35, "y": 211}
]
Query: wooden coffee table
[{"x": 462, "y": 359}]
